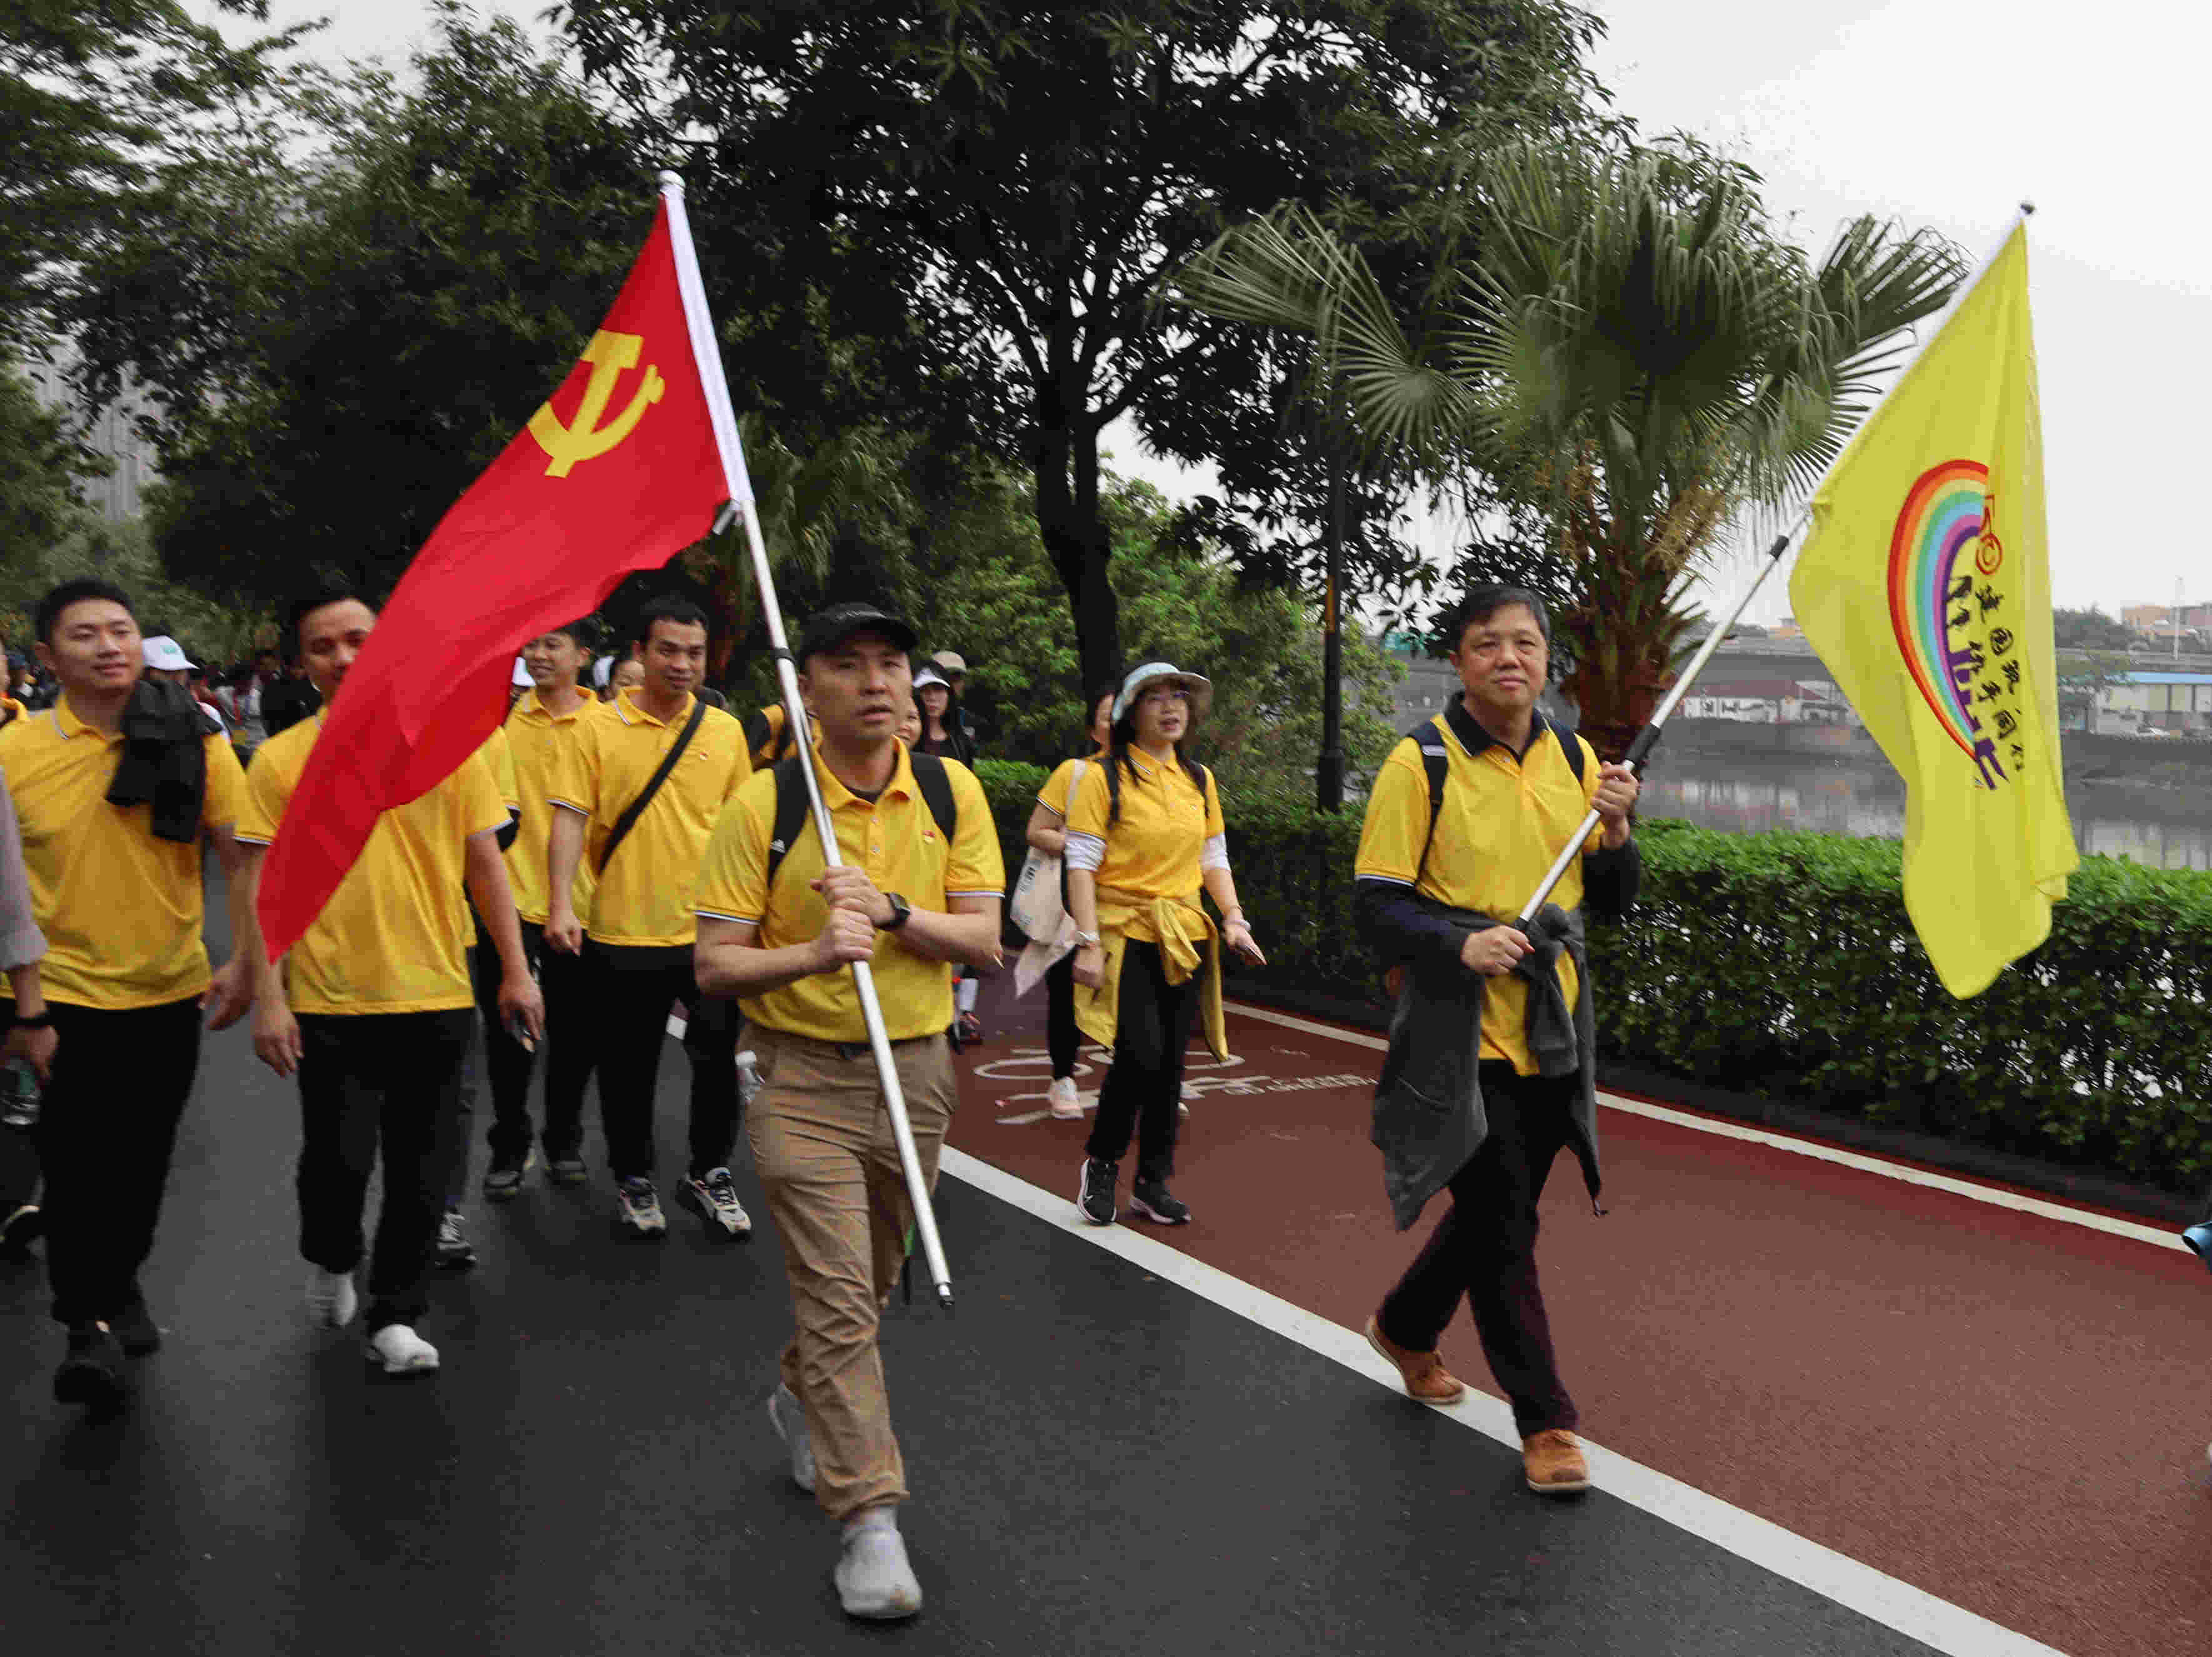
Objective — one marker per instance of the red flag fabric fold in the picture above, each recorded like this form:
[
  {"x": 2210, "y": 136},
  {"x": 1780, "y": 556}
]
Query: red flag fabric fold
[{"x": 619, "y": 471}]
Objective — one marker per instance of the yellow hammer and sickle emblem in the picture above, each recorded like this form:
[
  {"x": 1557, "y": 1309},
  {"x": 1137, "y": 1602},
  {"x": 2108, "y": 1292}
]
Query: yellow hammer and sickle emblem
[{"x": 584, "y": 437}]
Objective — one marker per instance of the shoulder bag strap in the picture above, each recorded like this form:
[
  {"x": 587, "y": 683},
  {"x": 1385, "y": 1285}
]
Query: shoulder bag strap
[{"x": 636, "y": 809}]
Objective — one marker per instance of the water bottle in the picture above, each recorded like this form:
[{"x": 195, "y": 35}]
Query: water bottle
[
  {"x": 748, "y": 1079},
  {"x": 19, "y": 1096}
]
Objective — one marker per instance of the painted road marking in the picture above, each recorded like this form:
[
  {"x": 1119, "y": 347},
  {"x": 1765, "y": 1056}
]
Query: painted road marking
[
  {"x": 1874, "y": 1594},
  {"x": 1993, "y": 1195}
]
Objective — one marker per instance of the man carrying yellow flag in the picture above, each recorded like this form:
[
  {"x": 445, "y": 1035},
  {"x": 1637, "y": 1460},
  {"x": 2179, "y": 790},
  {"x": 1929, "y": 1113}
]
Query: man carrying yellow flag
[{"x": 1925, "y": 586}]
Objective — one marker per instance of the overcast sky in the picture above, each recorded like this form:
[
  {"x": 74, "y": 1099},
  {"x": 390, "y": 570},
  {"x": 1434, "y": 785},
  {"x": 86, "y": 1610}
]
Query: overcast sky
[{"x": 1941, "y": 113}]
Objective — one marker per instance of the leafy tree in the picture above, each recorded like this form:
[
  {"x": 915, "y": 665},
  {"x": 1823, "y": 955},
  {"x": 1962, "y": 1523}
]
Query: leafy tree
[
  {"x": 337, "y": 353},
  {"x": 97, "y": 103},
  {"x": 2090, "y": 629},
  {"x": 1630, "y": 349},
  {"x": 40, "y": 469},
  {"x": 1021, "y": 177}
]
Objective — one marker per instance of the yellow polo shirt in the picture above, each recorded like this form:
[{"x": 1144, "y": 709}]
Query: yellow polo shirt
[
  {"x": 643, "y": 898},
  {"x": 1504, "y": 819},
  {"x": 536, "y": 739},
  {"x": 1152, "y": 849},
  {"x": 1054, "y": 795},
  {"x": 895, "y": 839},
  {"x": 122, "y": 910},
  {"x": 394, "y": 936}
]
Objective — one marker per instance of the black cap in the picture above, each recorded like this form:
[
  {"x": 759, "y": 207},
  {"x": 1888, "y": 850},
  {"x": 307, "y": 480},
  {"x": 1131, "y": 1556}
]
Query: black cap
[{"x": 828, "y": 629}]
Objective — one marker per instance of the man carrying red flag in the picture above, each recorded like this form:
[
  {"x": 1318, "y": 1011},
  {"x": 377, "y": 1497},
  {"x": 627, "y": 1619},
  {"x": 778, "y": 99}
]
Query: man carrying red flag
[{"x": 371, "y": 1005}]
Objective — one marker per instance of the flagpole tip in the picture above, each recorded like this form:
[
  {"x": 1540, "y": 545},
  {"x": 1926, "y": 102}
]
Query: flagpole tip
[
  {"x": 671, "y": 179},
  {"x": 2027, "y": 209}
]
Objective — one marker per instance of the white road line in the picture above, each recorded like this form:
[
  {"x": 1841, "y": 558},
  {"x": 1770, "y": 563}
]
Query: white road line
[
  {"x": 1874, "y": 1594},
  {"x": 1996, "y": 1198}
]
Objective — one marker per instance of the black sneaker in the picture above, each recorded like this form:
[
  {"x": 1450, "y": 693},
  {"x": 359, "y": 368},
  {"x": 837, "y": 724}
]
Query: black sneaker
[
  {"x": 567, "y": 1169},
  {"x": 135, "y": 1331},
  {"x": 452, "y": 1253},
  {"x": 92, "y": 1373},
  {"x": 1151, "y": 1200},
  {"x": 1094, "y": 1198},
  {"x": 502, "y": 1180}
]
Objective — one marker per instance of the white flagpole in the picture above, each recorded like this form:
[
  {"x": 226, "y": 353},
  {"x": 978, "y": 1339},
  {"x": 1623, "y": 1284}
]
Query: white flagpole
[
  {"x": 1647, "y": 738},
  {"x": 706, "y": 350}
]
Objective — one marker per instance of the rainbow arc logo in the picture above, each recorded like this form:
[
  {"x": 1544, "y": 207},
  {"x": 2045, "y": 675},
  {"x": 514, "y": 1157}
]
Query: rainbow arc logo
[{"x": 1944, "y": 538}]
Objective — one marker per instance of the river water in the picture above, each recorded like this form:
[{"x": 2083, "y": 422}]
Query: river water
[{"x": 1752, "y": 792}]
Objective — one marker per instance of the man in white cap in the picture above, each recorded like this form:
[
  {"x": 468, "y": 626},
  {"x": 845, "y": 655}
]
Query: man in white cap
[{"x": 166, "y": 660}]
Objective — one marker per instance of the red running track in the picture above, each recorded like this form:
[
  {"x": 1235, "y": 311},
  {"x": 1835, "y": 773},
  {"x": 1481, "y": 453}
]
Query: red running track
[{"x": 2007, "y": 1411}]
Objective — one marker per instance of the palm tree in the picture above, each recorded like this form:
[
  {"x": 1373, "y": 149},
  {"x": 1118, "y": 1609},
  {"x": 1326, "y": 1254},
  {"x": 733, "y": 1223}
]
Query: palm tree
[{"x": 1616, "y": 337}]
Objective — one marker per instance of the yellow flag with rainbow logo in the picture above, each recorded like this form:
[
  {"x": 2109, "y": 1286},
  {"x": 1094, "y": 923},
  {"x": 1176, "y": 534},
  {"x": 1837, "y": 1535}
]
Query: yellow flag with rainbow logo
[{"x": 1925, "y": 585}]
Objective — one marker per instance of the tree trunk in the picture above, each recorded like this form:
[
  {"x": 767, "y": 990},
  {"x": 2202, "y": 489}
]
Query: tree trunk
[{"x": 1075, "y": 539}]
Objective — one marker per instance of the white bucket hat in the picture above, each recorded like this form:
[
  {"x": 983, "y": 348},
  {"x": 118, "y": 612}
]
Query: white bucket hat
[{"x": 1151, "y": 673}]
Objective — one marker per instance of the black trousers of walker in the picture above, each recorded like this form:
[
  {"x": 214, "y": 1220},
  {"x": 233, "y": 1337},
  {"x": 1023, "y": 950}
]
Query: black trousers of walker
[
  {"x": 1152, "y": 1029},
  {"x": 370, "y": 1083},
  {"x": 1062, "y": 1040},
  {"x": 107, "y": 1128},
  {"x": 1484, "y": 1249},
  {"x": 632, "y": 990},
  {"x": 568, "y": 1037}
]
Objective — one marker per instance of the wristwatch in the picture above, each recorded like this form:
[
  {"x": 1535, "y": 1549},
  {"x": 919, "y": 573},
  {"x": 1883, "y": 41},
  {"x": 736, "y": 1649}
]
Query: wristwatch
[
  {"x": 900, "y": 910},
  {"x": 1086, "y": 939}
]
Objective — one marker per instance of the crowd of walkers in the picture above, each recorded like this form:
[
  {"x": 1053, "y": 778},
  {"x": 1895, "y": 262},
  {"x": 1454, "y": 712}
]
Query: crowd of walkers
[{"x": 623, "y": 849}]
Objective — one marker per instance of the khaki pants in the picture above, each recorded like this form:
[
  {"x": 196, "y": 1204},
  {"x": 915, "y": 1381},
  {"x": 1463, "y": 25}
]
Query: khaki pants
[{"x": 823, "y": 1147}]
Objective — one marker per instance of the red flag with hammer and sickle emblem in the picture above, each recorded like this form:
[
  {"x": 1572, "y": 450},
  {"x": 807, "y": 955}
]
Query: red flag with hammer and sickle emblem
[{"x": 619, "y": 471}]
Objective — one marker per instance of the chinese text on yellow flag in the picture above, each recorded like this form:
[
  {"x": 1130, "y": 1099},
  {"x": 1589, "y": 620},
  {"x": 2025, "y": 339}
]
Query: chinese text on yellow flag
[{"x": 1925, "y": 587}]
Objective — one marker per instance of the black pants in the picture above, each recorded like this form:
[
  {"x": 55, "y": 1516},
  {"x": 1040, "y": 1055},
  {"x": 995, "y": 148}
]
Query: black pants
[
  {"x": 633, "y": 990},
  {"x": 369, "y": 1082},
  {"x": 1485, "y": 1248},
  {"x": 1151, "y": 1027},
  {"x": 1061, "y": 1038},
  {"x": 509, "y": 1064},
  {"x": 107, "y": 1127}
]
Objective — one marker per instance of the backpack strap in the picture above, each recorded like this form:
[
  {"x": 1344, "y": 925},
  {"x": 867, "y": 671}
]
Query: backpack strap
[
  {"x": 929, "y": 776},
  {"x": 1572, "y": 744},
  {"x": 936, "y": 785},
  {"x": 1436, "y": 764},
  {"x": 790, "y": 814}
]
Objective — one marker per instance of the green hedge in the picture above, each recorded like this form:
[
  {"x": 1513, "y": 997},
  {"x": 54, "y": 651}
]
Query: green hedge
[{"x": 1783, "y": 965}]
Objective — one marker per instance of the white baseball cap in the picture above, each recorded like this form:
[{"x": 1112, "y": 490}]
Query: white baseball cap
[
  {"x": 165, "y": 654},
  {"x": 951, "y": 660}
]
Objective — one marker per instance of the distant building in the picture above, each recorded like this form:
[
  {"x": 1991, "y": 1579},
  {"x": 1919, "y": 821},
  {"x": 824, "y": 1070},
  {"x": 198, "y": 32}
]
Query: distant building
[
  {"x": 114, "y": 435},
  {"x": 1767, "y": 702},
  {"x": 2147, "y": 701}
]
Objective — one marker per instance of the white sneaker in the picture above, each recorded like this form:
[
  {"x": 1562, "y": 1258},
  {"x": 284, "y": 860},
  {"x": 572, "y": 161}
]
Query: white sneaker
[
  {"x": 714, "y": 1194},
  {"x": 332, "y": 1300},
  {"x": 401, "y": 1351},
  {"x": 1183, "y": 1104},
  {"x": 873, "y": 1578},
  {"x": 789, "y": 1416},
  {"x": 640, "y": 1212},
  {"x": 1062, "y": 1097}
]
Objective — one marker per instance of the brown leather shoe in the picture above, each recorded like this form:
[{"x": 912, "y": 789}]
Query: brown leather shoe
[
  {"x": 1423, "y": 1373},
  {"x": 1553, "y": 1462}
]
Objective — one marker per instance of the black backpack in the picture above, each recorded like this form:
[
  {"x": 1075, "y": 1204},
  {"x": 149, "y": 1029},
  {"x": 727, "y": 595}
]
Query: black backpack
[{"x": 929, "y": 776}]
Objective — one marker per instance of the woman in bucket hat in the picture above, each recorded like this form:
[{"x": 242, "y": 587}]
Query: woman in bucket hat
[{"x": 1145, "y": 832}]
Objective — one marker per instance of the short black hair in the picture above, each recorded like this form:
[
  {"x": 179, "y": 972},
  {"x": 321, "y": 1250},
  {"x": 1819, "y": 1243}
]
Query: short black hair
[
  {"x": 583, "y": 633},
  {"x": 308, "y": 602},
  {"x": 668, "y": 607},
  {"x": 49, "y": 613},
  {"x": 1479, "y": 604}
]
